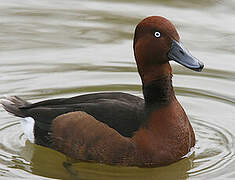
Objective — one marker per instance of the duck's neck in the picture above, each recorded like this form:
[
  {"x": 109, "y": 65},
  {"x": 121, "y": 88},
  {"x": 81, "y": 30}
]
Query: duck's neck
[{"x": 158, "y": 93}]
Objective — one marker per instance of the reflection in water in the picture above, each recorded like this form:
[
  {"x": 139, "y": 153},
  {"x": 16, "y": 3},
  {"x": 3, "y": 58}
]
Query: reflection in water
[
  {"x": 54, "y": 161},
  {"x": 38, "y": 160}
]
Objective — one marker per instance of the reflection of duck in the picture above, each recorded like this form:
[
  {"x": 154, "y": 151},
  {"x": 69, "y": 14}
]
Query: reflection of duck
[
  {"x": 53, "y": 167},
  {"x": 119, "y": 128}
]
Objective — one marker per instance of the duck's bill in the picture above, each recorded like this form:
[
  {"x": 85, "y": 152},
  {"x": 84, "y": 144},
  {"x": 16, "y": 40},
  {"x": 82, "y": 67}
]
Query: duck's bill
[{"x": 181, "y": 55}]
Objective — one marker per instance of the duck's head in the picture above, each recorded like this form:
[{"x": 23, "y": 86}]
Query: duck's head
[{"x": 156, "y": 42}]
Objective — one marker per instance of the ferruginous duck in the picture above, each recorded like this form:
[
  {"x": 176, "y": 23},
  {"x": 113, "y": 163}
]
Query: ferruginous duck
[{"x": 118, "y": 128}]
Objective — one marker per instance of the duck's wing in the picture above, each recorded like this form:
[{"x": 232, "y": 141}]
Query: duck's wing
[
  {"x": 80, "y": 136},
  {"x": 120, "y": 111}
]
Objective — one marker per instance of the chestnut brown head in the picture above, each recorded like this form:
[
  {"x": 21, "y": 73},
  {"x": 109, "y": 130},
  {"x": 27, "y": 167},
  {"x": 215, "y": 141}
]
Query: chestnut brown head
[{"x": 156, "y": 42}]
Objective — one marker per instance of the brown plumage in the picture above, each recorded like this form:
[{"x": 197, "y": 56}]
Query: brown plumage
[
  {"x": 119, "y": 128},
  {"x": 79, "y": 135}
]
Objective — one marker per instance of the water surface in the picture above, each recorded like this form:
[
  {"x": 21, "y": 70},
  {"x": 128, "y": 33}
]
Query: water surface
[{"x": 51, "y": 49}]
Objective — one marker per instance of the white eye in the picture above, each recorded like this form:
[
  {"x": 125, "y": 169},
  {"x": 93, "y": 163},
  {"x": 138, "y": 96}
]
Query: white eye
[{"x": 157, "y": 34}]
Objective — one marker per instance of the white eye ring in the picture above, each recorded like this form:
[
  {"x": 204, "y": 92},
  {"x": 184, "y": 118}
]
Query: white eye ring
[{"x": 157, "y": 34}]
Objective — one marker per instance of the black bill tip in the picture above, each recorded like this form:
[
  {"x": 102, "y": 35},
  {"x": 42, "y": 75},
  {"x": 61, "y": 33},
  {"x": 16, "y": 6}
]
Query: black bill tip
[
  {"x": 201, "y": 66},
  {"x": 181, "y": 55}
]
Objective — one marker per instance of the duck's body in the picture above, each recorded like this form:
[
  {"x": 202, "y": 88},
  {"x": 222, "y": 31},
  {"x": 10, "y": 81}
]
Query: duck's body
[
  {"x": 121, "y": 111},
  {"x": 119, "y": 128}
]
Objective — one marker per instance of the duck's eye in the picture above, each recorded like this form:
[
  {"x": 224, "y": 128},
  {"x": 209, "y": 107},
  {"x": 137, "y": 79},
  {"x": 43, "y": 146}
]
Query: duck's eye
[{"x": 157, "y": 34}]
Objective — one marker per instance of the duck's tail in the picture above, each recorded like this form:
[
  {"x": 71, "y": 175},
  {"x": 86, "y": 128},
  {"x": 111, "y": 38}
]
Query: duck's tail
[{"x": 13, "y": 105}]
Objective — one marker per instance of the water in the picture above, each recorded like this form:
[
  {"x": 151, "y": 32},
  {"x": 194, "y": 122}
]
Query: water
[{"x": 60, "y": 48}]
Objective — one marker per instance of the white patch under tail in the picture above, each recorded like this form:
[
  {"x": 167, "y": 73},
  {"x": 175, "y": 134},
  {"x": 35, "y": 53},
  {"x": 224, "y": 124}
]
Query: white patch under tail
[
  {"x": 191, "y": 151},
  {"x": 28, "y": 125}
]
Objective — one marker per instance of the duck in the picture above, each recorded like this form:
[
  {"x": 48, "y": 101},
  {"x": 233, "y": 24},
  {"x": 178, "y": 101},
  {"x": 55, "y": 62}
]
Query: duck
[{"x": 118, "y": 128}]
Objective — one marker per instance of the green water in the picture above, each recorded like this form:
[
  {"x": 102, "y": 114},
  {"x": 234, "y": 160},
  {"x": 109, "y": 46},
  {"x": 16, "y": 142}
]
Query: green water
[{"x": 51, "y": 49}]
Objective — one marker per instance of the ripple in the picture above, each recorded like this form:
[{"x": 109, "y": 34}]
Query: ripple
[
  {"x": 11, "y": 139},
  {"x": 128, "y": 88},
  {"x": 214, "y": 148}
]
